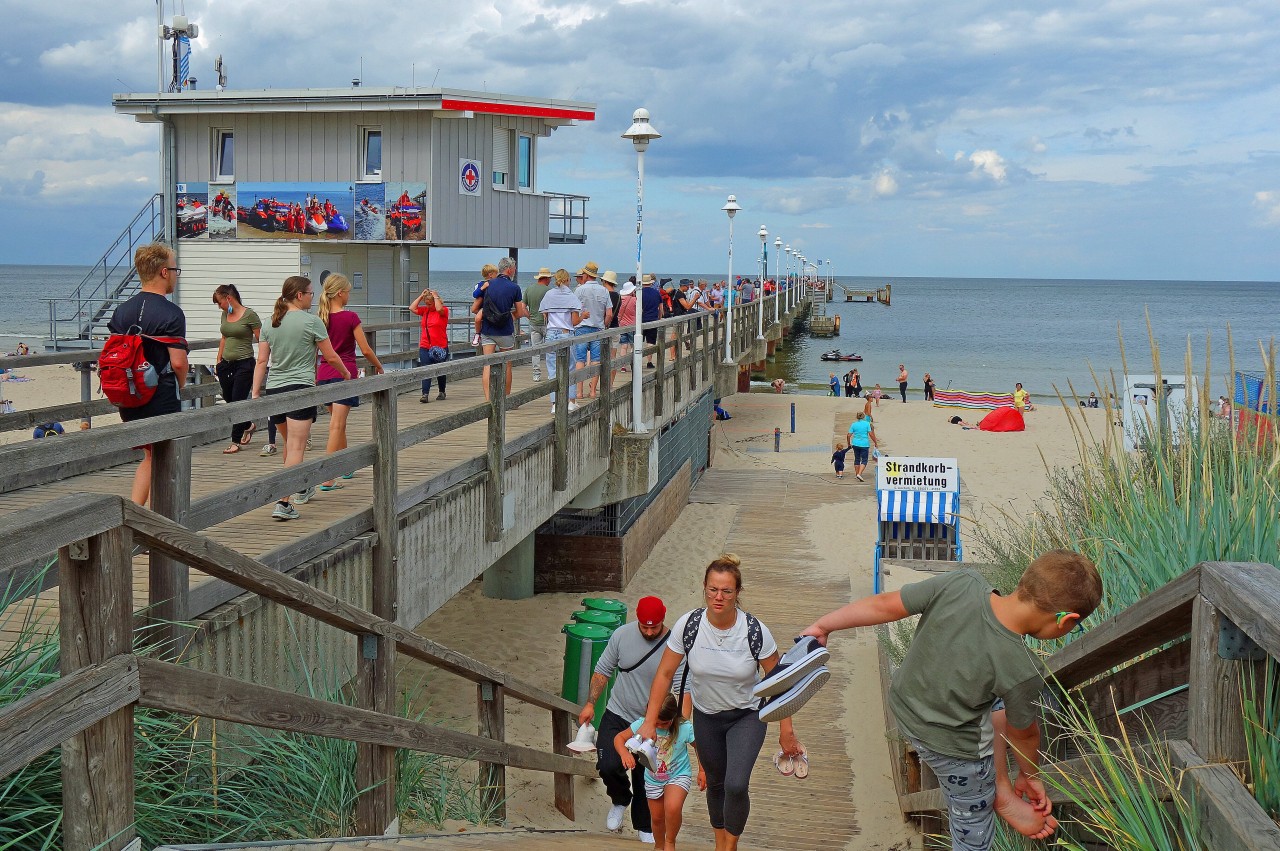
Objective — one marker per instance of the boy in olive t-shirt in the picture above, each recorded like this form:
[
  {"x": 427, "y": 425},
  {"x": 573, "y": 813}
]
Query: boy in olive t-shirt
[{"x": 969, "y": 683}]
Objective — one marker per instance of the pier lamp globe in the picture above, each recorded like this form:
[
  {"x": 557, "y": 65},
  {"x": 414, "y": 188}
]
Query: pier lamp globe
[
  {"x": 777, "y": 277},
  {"x": 764, "y": 273},
  {"x": 731, "y": 209},
  {"x": 641, "y": 133}
]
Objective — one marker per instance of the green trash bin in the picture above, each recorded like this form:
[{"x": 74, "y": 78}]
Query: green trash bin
[
  {"x": 603, "y": 604},
  {"x": 584, "y": 644},
  {"x": 605, "y": 619}
]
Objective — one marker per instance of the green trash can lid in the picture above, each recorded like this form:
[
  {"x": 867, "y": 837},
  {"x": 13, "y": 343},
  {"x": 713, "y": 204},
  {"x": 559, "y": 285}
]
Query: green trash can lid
[
  {"x": 605, "y": 605},
  {"x": 597, "y": 617},
  {"x": 586, "y": 631}
]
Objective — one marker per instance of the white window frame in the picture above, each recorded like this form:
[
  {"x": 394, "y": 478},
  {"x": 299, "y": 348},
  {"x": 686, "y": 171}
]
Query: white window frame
[
  {"x": 216, "y": 173},
  {"x": 501, "y": 160},
  {"x": 532, "y": 188},
  {"x": 364, "y": 174}
]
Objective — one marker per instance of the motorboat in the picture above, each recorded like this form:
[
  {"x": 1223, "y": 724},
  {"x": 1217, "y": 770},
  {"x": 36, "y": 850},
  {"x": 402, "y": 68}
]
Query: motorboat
[
  {"x": 835, "y": 355},
  {"x": 337, "y": 224}
]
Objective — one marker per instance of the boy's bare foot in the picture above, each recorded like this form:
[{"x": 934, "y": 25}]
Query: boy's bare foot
[{"x": 1021, "y": 816}]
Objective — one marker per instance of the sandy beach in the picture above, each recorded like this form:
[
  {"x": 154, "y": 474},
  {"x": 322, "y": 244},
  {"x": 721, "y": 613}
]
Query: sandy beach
[
  {"x": 47, "y": 385},
  {"x": 998, "y": 471}
]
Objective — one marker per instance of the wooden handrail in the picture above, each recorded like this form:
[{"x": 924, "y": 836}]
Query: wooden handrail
[{"x": 227, "y": 564}]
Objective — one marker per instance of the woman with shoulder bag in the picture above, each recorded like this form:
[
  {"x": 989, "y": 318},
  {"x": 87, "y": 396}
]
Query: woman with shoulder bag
[{"x": 433, "y": 346}]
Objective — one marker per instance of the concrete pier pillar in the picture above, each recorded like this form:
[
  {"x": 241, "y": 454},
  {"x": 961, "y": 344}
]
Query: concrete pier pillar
[{"x": 511, "y": 577}]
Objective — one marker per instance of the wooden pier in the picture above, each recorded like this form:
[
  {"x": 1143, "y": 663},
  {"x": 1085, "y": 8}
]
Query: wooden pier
[{"x": 883, "y": 295}]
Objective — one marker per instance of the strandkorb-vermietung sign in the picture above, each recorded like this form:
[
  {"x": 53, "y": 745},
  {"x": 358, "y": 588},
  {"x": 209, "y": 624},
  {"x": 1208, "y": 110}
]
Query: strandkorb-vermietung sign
[{"x": 918, "y": 474}]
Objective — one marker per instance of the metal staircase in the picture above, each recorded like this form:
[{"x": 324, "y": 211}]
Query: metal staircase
[{"x": 77, "y": 320}]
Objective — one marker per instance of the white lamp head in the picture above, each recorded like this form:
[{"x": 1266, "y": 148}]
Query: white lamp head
[
  {"x": 764, "y": 234},
  {"x": 641, "y": 132},
  {"x": 777, "y": 244},
  {"x": 731, "y": 206}
]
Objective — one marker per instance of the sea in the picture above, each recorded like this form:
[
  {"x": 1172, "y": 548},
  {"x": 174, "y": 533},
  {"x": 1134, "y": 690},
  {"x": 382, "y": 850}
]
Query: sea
[{"x": 968, "y": 333}]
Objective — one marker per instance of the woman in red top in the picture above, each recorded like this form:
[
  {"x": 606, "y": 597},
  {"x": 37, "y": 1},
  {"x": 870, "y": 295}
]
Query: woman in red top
[
  {"x": 345, "y": 334},
  {"x": 433, "y": 347}
]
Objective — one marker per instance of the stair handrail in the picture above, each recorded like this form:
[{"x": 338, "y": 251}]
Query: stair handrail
[{"x": 102, "y": 283}]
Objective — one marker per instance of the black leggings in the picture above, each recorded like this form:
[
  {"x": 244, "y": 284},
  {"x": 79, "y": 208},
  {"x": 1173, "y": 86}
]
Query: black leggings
[
  {"x": 236, "y": 380},
  {"x": 728, "y": 744}
]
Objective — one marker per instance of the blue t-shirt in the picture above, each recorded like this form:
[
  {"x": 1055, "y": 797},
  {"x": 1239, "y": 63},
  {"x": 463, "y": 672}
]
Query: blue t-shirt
[
  {"x": 504, "y": 295},
  {"x": 861, "y": 431},
  {"x": 673, "y": 755},
  {"x": 478, "y": 290},
  {"x": 651, "y": 304}
]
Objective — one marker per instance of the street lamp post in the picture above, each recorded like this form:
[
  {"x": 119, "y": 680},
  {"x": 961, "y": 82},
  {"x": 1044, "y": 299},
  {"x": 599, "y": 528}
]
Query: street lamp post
[
  {"x": 731, "y": 207},
  {"x": 640, "y": 133},
  {"x": 764, "y": 273},
  {"x": 777, "y": 279},
  {"x": 790, "y": 295}
]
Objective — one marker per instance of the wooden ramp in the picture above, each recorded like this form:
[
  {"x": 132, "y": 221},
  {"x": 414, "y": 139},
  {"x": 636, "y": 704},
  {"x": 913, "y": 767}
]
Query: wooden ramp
[
  {"x": 787, "y": 589},
  {"x": 480, "y": 840}
]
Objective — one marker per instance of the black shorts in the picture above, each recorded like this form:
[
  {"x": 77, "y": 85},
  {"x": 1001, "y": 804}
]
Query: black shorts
[
  {"x": 300, "y": 414},
  {"x": 164, "y": 401},
  {"x": 651, "y": 335}
]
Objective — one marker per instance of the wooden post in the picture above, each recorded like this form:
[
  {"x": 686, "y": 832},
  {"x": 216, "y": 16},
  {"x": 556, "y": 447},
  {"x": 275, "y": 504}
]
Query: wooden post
[
  {"x": 561, "y": 735},
  {"x": 492, "y": 776},
  {"x": 677, "y": 391},
  {"x": 169, "y": 579},
  {"x": 605, "y": 396},
  {"x": 1215, "y": 726},
  {"x": 560, "y": 451},
  {"x": 86, "y": 388},
  {"x": 497, "y": 440},
  {"x": 95, "y": 605},
  {"x": 660, "y": 382},
  {"x": 376, "y": 672},
  {"x": 708, "y": 344}
]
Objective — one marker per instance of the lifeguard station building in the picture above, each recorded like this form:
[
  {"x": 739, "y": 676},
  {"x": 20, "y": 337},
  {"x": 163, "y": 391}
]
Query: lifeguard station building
[{"x": 262, "y": 184}]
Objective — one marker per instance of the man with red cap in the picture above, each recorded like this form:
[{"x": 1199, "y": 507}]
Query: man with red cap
[{"x": 634, "y": 651}]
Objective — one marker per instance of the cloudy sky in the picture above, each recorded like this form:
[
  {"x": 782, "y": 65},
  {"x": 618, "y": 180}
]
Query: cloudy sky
[{"x": 1100, "y": 139}]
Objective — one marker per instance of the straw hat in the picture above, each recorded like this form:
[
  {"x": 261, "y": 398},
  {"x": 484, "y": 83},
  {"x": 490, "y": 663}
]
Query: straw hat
[
  {"x": 591, "y": 270},
  {"x": 647, "y": 279},
  {"x": 544, "y": 272},
  {"x": 610, "y": 278}
]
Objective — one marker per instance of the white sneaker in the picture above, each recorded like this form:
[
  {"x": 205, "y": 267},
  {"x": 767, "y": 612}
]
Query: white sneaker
[
  {"x": 645, "y": 837},
  {"x": 573, "y": 406},
  {"x": 475, "y": 341},
  {"x": 537, "y": 377},
  {"x": 613, "y": 821}
]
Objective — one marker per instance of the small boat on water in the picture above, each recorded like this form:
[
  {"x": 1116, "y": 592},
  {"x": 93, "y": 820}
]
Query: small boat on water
[{"x": 835, "y": 354}]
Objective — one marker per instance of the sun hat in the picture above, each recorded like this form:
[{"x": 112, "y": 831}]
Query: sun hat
[
  {"x": 650, "y": 611},
  {"x": 544, "y": 272},
  {"x": 591, "y": 270},
  {"x": 610, "y": 277},
  {"x": 627, "y": 289},
  {"x": 647, "y": 278}
]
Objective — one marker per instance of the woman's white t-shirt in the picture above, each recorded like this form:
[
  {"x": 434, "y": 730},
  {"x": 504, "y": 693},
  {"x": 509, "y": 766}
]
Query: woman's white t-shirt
[{"x": 722, "y": 670}]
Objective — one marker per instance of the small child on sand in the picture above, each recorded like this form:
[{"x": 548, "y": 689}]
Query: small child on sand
[
  {"x": 960, "y": 710},
  {"x": 669, "y": 783},
  {"x": 837, "y": 459},
  {"x": 487, "y": 273},
  {"x": 877, "y": 394}
]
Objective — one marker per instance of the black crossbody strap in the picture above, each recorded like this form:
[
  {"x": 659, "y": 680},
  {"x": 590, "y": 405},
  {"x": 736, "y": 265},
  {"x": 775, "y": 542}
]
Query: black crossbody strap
[{"x": 654, "y": 649}]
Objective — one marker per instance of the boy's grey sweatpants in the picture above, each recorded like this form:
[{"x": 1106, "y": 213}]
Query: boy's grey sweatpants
[{"x": 970, "y": 787}]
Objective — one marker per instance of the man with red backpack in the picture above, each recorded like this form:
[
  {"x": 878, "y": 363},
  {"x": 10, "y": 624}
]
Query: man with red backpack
[{"x": 150, "y": 388}]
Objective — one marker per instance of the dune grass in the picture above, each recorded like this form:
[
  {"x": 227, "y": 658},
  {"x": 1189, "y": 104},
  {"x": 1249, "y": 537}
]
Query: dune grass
[{"x": 201, "y": 782}]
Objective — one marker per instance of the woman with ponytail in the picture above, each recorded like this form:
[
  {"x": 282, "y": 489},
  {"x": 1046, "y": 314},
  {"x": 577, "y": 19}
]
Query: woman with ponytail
[
  {"x": 345, "y": 334},
  {"x": 240, "y": 328},
  {"x": 290, "y": 344}
]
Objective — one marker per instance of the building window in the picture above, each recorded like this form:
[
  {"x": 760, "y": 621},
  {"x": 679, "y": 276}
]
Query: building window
[
  {"x": 370, "y": 153},
  {"x": 525, "y": 163},
  {"x": 224, "y": 156},
  {"x": 501, "y": 158}
]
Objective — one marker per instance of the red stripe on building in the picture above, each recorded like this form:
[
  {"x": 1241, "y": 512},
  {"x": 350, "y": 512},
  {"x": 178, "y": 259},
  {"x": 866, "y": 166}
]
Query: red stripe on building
[{"x": 513, "y": 109}]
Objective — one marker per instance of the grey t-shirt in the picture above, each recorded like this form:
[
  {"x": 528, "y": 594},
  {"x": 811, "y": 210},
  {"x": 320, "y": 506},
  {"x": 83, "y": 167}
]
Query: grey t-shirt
[
  {"x": 961, "y": 659},
  {"x": 595, "y": 301},
  {"x": 626, "y": 647}
]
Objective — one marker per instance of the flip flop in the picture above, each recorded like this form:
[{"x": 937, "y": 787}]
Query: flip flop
[
  {"x": 248, "y": 435},
  {"x": 801, "y": 764},
  {"x": 784, "y": 764},
  {"x": 328, "y": 488},
  {"x": 231, "y": 450}
]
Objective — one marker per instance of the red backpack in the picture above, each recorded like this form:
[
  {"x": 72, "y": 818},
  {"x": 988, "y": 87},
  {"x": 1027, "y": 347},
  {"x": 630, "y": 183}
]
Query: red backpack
[{"x": 125, "y": 376}]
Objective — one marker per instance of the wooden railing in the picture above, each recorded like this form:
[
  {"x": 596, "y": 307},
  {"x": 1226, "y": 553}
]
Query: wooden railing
[
  {"x": 89, "y": 710},
  {"x": 1205, "y": 628}
]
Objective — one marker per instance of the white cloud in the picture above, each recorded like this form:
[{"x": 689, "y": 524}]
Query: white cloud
[
  {"x": 989, "y": 163},
  {"x": 59, "y": 153},
  {"x": 1269, "y": 203},
  {"x": 885, "y": 185}
]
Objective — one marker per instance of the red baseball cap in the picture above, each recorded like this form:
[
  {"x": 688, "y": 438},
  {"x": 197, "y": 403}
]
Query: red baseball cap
[{"x": 650, "y": 611}]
